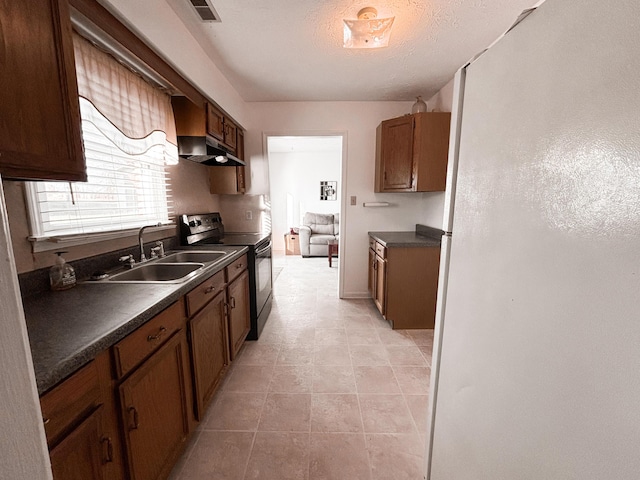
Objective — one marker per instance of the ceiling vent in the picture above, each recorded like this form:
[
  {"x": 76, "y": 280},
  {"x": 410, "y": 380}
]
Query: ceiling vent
[{"x": 205, "y": 11}]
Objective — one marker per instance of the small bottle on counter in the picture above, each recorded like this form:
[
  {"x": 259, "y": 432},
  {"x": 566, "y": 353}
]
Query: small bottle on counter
[{"x": 62, "y": 276}]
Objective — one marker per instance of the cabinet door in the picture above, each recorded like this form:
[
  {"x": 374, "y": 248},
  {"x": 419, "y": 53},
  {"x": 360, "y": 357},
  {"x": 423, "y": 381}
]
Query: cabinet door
[
  {"x": 241, "y": 182},
  {"x": 39, "y": 114},
  {"x": 380, "y": 284},
  {"x": 230, "y": 135},
  {"x": 215, "y": 122},
  {"x": 372, "y": 274},
  {"x": 240, "y": 146},
  {"x": 82, "y": 453},
  {"x": 238, "y": 308},
  {"x": 154, "y": 411},
  {"x": 209, "y": 350},
  {"x": 226, "y": 180},
  {"x": 240, "y": 171},
  {"x": 394, "y": 155}
]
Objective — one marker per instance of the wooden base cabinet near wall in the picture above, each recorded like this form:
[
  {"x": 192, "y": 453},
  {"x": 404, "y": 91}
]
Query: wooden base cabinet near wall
[{"x": 403, "y": 283}]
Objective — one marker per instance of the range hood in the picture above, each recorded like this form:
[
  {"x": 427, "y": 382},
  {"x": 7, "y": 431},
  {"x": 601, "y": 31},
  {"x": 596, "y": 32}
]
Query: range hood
[{"x": 208, "y": 151}]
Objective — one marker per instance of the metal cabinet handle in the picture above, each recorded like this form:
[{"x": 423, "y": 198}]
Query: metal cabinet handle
[
  {"x": 133, "y": 415},
  {"x": 46, "y": 420},
  {"x": 157, "y": 336},
  {"x": 233, "y": 302},
  {"x": 210, "y": 289},
  {"x": 239, "y": 266},
  {"x": 108, "y": 449}
]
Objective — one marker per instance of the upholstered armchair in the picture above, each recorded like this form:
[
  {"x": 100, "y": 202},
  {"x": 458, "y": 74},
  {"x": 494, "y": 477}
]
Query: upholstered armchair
[{"x": 316, "y": 230}]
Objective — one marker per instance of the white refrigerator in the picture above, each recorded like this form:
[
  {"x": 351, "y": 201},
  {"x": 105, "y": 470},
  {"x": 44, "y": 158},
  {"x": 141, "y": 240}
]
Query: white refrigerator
[{"x": 536, "y": 371}]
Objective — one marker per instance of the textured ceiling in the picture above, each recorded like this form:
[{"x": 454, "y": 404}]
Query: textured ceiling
[{"x": 291, "y": 50}]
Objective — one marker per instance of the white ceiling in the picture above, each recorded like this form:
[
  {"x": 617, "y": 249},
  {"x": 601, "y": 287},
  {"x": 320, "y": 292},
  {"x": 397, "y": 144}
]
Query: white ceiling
[{"x": 291, "y": 50}]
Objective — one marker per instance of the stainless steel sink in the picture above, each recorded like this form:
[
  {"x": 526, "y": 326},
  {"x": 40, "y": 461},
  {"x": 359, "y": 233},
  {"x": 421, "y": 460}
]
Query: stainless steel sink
[
  {"x": 198, "y": 257},
  {"x": 159, "y": 273}
]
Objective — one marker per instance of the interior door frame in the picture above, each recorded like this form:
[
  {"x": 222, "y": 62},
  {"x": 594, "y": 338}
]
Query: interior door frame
[{"x": 343, "y": 180}]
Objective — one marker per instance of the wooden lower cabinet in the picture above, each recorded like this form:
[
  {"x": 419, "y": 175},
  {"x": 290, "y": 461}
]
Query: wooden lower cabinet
[
  {"x": 83, "y": 452},
  {"x": 81, "y": 425},
  {"x": 209, "y": 350},
  {"x": 403, "y": 283},
  {"x": 128, "y": 413},
  {"x": 155, "y": 412},
  {"x": 238, "y": 311},
  {"x": 380, "y": 284}
]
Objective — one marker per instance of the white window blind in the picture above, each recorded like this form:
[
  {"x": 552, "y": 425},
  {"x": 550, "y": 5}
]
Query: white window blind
[
  {"x": 126, "y": 151},
  {"x": 127, "y": 185}
]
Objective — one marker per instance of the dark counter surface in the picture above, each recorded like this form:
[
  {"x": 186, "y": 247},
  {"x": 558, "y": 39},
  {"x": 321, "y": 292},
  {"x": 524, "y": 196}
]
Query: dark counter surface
[
  {"x": 67, "y": 329},
  {"x": 422, "y": 237}
]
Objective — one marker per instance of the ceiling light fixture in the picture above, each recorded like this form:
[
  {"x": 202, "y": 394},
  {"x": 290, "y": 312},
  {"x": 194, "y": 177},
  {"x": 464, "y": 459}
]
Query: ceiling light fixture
[{"x": 367, "y": 31}]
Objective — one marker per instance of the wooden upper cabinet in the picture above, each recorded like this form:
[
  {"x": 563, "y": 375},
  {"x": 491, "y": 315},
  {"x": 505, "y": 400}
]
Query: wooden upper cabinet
[
  {"x": 192, "y": 120},
  {"x": 412, "y": 152},
  {"x": 240, "y": 144},
  {"x": 215, "y": 122},
  {"x": 40, "y": 135},
  {"x": 230, "y": 180},
  {"x": 394, "y": 154},
  {"x": 231, "y": 135}
]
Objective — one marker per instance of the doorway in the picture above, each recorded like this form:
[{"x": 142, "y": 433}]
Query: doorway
[{"x": 306, "y": 174}]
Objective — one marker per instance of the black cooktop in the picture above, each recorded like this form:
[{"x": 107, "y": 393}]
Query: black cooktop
[
  {"x": 237, "y": 239},
  {"x": 207, "y": 228}
]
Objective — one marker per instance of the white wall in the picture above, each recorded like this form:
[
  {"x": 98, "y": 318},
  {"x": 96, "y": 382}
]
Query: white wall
[
  {"x": 359, "y": 121},
  {"x": 299, "y": 174}
]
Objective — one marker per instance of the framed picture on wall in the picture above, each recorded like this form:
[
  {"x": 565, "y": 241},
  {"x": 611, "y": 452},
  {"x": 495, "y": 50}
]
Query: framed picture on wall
[{"x": 328, "y": 190}]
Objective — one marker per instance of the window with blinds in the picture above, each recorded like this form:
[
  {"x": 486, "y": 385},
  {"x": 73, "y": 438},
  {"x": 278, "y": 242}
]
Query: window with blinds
[
  {"x": 128, "y": 133},
  {"x": 127, "y": 184}
]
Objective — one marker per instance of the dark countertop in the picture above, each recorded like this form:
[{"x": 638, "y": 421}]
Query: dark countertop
[
  {"x": 422, "y": 237},
  {"x": 67, "y": 329}
]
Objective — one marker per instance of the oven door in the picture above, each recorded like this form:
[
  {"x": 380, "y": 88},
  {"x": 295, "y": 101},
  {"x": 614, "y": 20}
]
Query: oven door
[{"x": 263, "y": 275}]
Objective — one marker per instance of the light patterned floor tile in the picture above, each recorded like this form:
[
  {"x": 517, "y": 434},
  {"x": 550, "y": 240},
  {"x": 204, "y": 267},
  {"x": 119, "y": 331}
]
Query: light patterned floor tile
[
  {"x": 338, "y": 456},
  {"x": 329, "y": 391}
]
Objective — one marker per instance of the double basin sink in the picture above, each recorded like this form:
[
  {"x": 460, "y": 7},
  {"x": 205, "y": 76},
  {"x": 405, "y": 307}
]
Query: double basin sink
[{"x": 176, "y": 267}]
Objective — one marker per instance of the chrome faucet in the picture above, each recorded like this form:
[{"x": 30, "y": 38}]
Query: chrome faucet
[{"x": 143, "y": 257}]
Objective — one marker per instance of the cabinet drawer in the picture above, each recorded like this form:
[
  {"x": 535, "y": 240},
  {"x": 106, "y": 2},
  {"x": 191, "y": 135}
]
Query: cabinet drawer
[
  {"x": 236, "y": 268},
  {"x": 137, "y": 346},
  {"x": 70, "y": 402},
  {"x": 381, "y": 250},
  {"x": 203, "y": 293}
]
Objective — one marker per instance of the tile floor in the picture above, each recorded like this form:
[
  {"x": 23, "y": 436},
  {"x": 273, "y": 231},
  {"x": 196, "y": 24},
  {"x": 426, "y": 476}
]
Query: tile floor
[{"x": 329, "y": 391}]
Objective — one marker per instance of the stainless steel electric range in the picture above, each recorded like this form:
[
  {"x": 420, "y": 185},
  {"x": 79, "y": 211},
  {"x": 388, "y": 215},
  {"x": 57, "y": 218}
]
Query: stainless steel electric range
[{"x": 207, "y": 229}]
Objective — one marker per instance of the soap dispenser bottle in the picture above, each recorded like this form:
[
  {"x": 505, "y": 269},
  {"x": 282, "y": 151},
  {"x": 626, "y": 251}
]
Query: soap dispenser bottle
[{"x": 62, "y": 275}]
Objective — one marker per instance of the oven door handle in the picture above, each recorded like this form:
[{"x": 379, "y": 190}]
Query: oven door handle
[{"x": 262, "y": 250}]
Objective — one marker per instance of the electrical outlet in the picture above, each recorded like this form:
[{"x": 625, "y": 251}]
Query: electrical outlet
[
  {"x": 353, "y": 200},
  {"x": 248, "y": 215}
]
